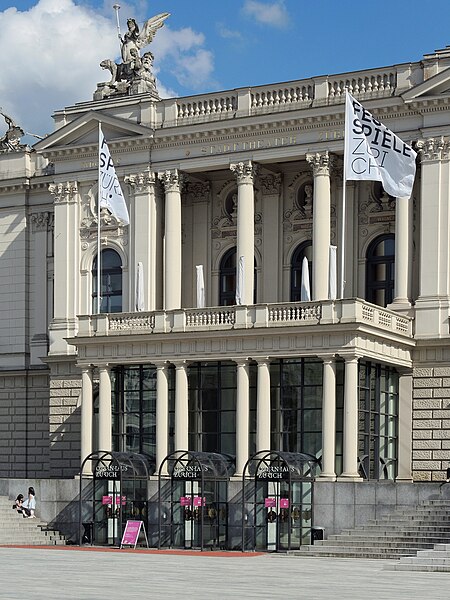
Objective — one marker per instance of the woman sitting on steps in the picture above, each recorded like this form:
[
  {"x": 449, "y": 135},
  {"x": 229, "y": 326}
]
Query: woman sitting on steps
[{"x": 29, "y": 505}]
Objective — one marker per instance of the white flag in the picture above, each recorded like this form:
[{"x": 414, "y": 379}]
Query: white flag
[
  {"x": 140, "y": 305},
  {"x": 333, "y": 273},
  {"x": 305, "y": 290},
  {"x": 110, "y": 192},
  {"x": 200, "y": 287},
  {"x": 374, "y": 152},
  {"x": 240, "y": 281}
]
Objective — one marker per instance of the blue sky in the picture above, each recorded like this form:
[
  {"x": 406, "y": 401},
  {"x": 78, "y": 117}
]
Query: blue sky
[{"x": 50, "y": 50}]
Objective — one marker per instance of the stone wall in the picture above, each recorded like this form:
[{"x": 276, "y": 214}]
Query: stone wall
[
  {"x": 24, "y": 429},
  {"x": 431, "y": 423},
  {"x": 64, "y": 419}
]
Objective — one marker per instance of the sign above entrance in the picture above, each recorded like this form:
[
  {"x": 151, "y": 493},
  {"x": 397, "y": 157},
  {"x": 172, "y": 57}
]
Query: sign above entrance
[
  {"x": 191, "y": 471},
  {"x": 109, "y": 470},
  {"x": 273, "y": 472}
]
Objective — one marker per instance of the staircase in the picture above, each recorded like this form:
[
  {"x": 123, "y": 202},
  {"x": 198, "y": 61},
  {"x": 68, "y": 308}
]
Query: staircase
[
  {"x": 17, "y": 531},
  {"x": 436, "y": 560},
  {"x": 400, "y": 534}
]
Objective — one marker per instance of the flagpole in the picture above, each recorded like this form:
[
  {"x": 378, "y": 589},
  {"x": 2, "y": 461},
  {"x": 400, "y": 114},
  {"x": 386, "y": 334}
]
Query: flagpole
[
  {"x": 99, "y": 270},
  {"x": 344, "y": 187}
]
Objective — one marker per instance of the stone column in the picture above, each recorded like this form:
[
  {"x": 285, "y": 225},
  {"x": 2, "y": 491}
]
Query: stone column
[
  {"x": 432, "y": 307},
  {"x": 403, "y": 236},
  {"x": 104, "y": 410},
  {"x": 242, "y": 415},
  {"x": 181, "y": 406},
  {"x": 263, "y": 406},
  {"x": 198, "y": 193},
  {"x": 86, "y": 415},
  {"x": 66, "y": 267},
  {"x": 40, "y": 223},
  {"x": 144, "y": 241},
  {"x": 350, "y": 459},
  {"x": 162, "y": 414},
  {"x": 405, "y": 402},
  {"x": 271, "y": 277},
  {"x": 329, "y": 419},
  {"x": 172, "y": 249},
  {"x": 321, "y": 224},
  {"x": 245, "y": 174}
]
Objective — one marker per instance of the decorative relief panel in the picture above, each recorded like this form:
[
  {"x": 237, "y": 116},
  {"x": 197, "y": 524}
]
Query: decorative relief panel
[
  {"x": 42, "y": 221},
  {"x": 110, "y": 227},
  {"x": 378, "y": 208}
]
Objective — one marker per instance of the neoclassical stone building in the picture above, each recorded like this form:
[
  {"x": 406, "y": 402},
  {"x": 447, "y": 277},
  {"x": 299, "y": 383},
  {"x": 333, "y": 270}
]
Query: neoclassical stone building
[{"x": 246, "y": 183}]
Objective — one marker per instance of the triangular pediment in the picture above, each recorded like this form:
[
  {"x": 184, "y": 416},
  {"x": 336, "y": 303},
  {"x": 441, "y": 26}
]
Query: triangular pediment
[
  {"x": 83, "y": 132},
  {"x": 435, "y": 86}
]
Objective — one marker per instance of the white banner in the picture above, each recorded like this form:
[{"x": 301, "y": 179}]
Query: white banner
[
  {"x": 305, "y": 290},
  {"x": 240, "y": 281},
  {"x": 200, "y": 287},
  {"x": 373, "y": 152},
  {"x": 140, "y": 305},
  {"x": 110, "y": 192},
  {"x": 333, "y": 273}
]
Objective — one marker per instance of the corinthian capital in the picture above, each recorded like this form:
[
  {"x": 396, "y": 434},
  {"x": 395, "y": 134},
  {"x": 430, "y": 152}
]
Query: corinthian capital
[
  {"x": 63, "y": 192},
  {"x": 321, "y": 163},
  {"x": 171, "y": 180},
  {"x": 433, "y": 148},
  {"x": 141, "y": 182},
  {"x": 245, "y": 171}
]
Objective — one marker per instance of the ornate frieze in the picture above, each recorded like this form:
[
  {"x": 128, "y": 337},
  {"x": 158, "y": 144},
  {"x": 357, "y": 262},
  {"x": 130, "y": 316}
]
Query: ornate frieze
[
  {"x": 245, "y": 172},
  {"x": 433, "y": 148},
  {"x": 198, "y": 191},
  {"x": 41, "y": 221},
  {"x": 270, "y": 184},
  {"x": 64, "y": 193}
]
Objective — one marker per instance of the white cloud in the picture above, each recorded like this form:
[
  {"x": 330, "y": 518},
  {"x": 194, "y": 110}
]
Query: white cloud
[
  {"x": 230, "y": 34},
  {"x": 50, "y": 55},
  {"x": 182, "y": 53},
  {"x": 272, "y": 13}
]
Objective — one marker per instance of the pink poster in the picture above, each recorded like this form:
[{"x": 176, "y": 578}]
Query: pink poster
[
  {"x": 199, "y": 501},
  {"x": 107, "y": 500},
  {"x": 124, "y": 500},
  {"x": 270, "y": 502},
  {"x": 284, "y": 503},
  {"x": 131, "y": 533},
  {"x": 185, "y": 501}
]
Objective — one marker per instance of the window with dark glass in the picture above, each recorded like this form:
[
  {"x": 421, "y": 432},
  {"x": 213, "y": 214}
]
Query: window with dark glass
[
  {"x": 378, "y": 421},
  {"x": 380, "y": 275},
  {"x": 227, "y": 279},
  {"x": 111, "y": 278},
  {"x": 134, "y": 409},
  {"x": 212, "y": 407},
  {"x": 296, "y": 405},
  {"x": 304, "y": 249}
]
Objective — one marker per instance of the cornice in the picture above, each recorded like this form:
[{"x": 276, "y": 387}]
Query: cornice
[{"x": 90, "y": 151}]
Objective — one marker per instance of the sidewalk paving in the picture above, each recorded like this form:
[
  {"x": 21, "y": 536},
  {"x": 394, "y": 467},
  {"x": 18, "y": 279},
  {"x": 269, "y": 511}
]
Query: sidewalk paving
[{"x": 73, "y": 573}]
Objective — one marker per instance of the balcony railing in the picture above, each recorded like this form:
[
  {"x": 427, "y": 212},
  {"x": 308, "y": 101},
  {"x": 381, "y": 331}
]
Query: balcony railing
[
  {"x": 289, "y": 314},
  {"x": 287, "y": 96}
]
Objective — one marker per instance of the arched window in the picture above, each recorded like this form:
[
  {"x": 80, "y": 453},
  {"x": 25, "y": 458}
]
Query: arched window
[
  {"x": 304, "y": 249},
  {"x": 227, "y": 279},
  {"x": 380, "y": 270},
  {"x": 111, "y": 277}
]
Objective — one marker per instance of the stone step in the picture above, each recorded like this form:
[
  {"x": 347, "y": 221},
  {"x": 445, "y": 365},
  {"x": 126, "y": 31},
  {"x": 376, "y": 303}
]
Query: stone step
[
  {"x": 394, "y": 543},
  {"x": 345, "y": 552}
]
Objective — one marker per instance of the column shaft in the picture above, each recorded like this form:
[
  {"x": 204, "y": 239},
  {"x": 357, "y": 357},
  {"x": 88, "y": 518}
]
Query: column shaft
[
  {"x": 329, "y": 420},
  {"x": 350, "y": 459},
  {"x": 172, "y": 249},
  {"x": 263, "y": 407},
  {"x": 242, "y": 416},
  {"x": 402, "y": 251},
  {"x": 181, "y": 408},
  {"x": 162, "y": 414},
  {"x": 245, "y": 228},
  {"x": 86, "y": 415},
  {"x": 321, "y": 224},
  {"x": 104, "y": 411}
]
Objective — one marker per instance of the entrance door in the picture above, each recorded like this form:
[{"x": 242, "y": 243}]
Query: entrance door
[{"x": 282, "y": 515}]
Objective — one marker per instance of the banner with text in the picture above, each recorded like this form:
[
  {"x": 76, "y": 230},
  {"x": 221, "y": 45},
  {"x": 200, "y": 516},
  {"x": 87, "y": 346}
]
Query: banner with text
[{"x": 373, "y": 152}]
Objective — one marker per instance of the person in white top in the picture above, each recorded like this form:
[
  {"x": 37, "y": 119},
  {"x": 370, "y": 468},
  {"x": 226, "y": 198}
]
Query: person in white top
[{"x": 29, "y": 505}]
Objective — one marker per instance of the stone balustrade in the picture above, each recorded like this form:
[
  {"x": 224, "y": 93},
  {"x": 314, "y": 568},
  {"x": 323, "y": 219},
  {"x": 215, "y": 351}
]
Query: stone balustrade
[
  {"x": 289, "y": 314},
  {"x": 288, "y": 96}
]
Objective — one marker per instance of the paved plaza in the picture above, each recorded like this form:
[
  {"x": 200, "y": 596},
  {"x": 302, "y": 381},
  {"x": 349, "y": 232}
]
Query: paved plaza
[{"x": 89, "y": 574}]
